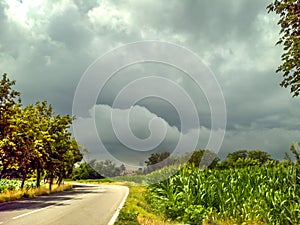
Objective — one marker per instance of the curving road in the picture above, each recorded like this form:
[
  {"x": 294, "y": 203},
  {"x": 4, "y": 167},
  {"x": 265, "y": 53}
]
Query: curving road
[{"x": 85, "y": 204}]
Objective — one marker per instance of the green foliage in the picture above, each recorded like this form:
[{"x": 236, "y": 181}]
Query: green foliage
[
  {"x": 107, "y": 168},
  {"x": 244, "y": 158},
  {"x": 157, "y": 158},
  {"x": 13, "y": 185},
  {"x": 262, "y": 194},
  {"x": 127, "y": 217},
  {"x": 85, "y": 171},
  {"x": 289, "y": 11},
  {"x": 33, "y": 139},
  {"x": 96, "y": 170},
  {"x": 203, "y": 158}
]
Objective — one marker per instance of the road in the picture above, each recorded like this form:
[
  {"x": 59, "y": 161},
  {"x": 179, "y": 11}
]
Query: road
[{"x": 85, "y": 204}]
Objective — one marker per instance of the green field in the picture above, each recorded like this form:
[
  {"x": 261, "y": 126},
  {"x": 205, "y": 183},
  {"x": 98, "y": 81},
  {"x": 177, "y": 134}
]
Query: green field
[
  {"x": 14, "y": 185},
  {"x": 253, "y": 195}
]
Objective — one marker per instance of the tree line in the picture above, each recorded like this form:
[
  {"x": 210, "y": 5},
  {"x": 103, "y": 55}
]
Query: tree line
[
  {"x": 209, "y": 159},
  {"x": 198, "y": 158},
  {"x": 34, "y": 141}
]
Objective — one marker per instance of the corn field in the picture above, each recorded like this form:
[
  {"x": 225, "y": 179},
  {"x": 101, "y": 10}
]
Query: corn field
[
  {"x": 12, "y": 185},
  {"x": 258, "y": 194}
]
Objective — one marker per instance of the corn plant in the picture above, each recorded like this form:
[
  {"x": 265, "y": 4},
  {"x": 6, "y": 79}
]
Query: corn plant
[
  {"x": 12, "y": 185},
  {"x": 261, "y": 194}
]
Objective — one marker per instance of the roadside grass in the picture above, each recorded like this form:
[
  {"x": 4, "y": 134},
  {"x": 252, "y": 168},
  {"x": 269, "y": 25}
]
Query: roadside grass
[
  {"x": 7, "y": 196},
  {"x": 138, "y": 211},
  {"x": 93, "y": 181}
]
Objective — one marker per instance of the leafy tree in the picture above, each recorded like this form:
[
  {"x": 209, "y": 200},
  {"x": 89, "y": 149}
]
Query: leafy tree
[
  {"x": 157, "y": 157},
  {"x": 260, "y": 155},
  {"x": 9, "y": 102},
  {"x": 240, "y": 154},
  {"x": 63, "y": 151},
  {"x": 158, "y": 160},
  {"x": 244, "y": 158},
  {"x": 24, "y": 135},
  {"x": 96, "y": 170},
  {"x": 33, "y": 139},
  {"x": 289, "y": 11},
  {"x": 107, "y": 168},
  {"x": 86, "y": 171},
  {"x": 122, "y": 169},
  {"x": 210, "y": 160}
]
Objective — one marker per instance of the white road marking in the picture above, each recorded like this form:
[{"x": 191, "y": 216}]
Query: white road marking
[
  {"x": 34, "y": 211},
  {"x": 38, "y": 210},
  {"x": 116, "y": 214}
]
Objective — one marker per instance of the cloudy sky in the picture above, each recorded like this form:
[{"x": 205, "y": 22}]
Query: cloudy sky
[{"x": 48, "y": 46}]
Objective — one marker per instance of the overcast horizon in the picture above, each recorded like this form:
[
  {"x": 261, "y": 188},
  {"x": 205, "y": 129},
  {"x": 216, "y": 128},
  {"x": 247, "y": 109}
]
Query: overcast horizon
[{"x": 46, "y": 46}]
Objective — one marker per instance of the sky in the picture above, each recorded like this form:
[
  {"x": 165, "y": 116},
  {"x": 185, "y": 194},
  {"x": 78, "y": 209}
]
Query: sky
[{"x": 51, "y": 48}]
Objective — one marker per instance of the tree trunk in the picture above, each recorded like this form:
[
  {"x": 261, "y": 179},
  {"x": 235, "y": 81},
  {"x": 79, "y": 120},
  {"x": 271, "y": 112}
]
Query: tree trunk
[
  {"x": 3, "y": 171},
  {"x": 23, "y": 180},
  {"x": 38, "y": 176},
  {"x": 59, "y": 181},
  {"x": 51, "y": 181}
]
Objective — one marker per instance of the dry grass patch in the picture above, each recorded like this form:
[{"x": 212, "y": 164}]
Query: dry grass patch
[{"x": 43, "y": 190}]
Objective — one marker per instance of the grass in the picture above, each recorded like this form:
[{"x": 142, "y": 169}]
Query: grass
[
  {"x": 138, "y": 211},
  {"x": 94, "y": 181},
  {"x": 11, "y": 195}
]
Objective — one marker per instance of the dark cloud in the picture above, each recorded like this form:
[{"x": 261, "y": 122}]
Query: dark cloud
[{"x": 47, "y": 46}]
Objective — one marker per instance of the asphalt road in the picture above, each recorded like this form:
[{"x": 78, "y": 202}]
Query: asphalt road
[{"x": 84, "y": 205}]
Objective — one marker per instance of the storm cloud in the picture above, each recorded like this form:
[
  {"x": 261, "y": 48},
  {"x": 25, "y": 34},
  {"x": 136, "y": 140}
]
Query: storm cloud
[{"x": 46, "y": 46}]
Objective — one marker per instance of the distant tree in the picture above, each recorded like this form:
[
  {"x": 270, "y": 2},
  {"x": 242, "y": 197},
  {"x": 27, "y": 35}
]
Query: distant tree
[
  {"x": 122, "y": 169},
  {"x": 240, "y": 154},
  {"x": 244, "y": 158},
  {"x": 107, "y": 168},
  {"x": 260, "y": 155},
  {"x": 204, "y": 158},
  {"x": 157, "y": 158},
  {"x": 86, "y": 170},
  {"x": 289, "y": 11}
]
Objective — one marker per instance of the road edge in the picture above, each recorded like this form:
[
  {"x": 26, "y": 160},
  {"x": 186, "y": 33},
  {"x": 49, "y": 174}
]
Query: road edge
[{"x": 116, "y": 214}]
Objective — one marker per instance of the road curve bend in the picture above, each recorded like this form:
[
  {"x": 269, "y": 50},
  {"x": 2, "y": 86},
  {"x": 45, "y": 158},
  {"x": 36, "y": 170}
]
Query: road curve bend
[{"x": 85, "y": 204}]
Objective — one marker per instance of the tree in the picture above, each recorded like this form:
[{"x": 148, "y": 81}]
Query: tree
[
  {"x": 9, "y": 102},
  {"x": 25, "y": 128},
  {"x": 107, "y": 168},
  {"x": 157, "y": 157},
  {"x": 158, "y": 160},
  {"x": 62, "y": 150},
  {"x": 32, "y": 139},
  {"x": 122, "y": 169},
  {"x": 244, "y": 158},
  {"x": 210, "y": 160},
  {"x": 86, "y": 171},
  {"x": 289, "y": 11}
]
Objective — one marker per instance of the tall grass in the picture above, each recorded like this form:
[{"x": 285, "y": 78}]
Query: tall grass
[{"x": 265, "y": 195}]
